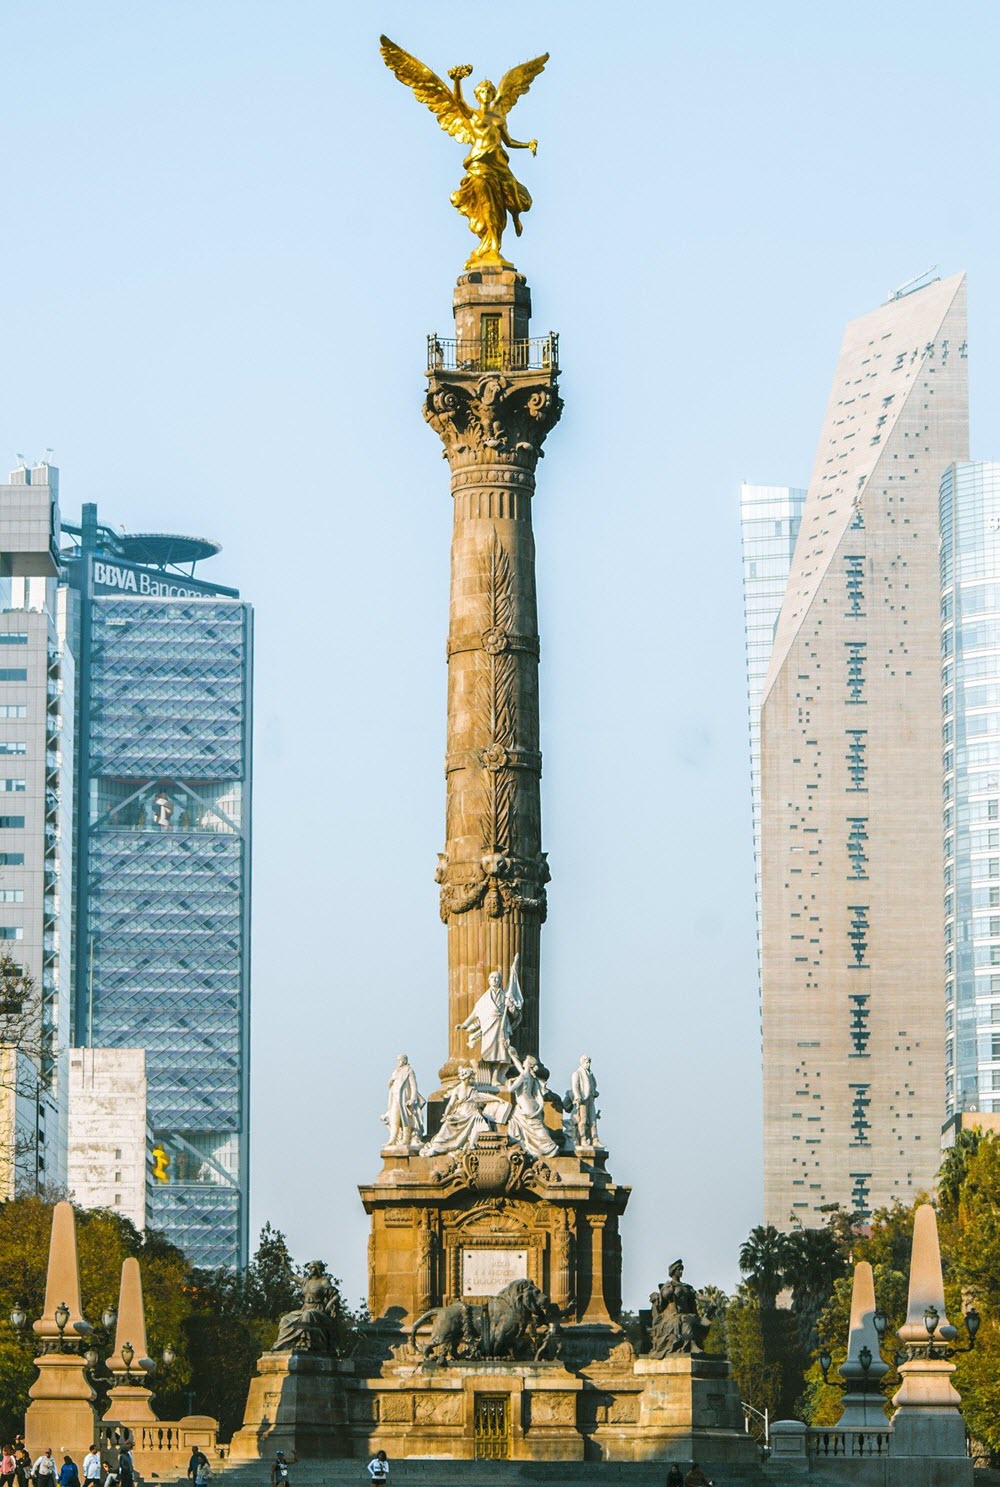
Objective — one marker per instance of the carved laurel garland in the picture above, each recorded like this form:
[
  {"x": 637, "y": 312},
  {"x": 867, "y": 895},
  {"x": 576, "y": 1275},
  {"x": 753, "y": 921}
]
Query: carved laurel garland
[{"x": 495, "y": 697}]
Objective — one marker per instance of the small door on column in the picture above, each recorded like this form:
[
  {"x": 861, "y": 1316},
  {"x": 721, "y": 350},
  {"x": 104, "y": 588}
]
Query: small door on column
[{"x": 492, "y": 1427}]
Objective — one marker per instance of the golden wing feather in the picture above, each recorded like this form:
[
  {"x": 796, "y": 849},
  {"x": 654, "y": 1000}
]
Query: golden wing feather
[
  {"x": 428, "y": 88},
  {"x": 517, "y": 81}
]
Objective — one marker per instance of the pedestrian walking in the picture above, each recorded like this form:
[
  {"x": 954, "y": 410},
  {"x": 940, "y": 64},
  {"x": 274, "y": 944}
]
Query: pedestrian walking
[
  {"x": 192, "y": 1470},
  {"x": 279, "y": 1470},
  {"x": 8, "y": 1467},
  {"x": 378, "y": 1467},
  {"x": 69, "y": 1475},
  {"x": 696, "y": 1477},
  {"x": 22, "y": 1465},
  {"x": 92, "y": 1465},
  {"x": 126, "y": 1467},
  {"x": 44, "y": 1469},
  {"x": 203, "y": 1472},
  {"x": 675, "y": 1477}
]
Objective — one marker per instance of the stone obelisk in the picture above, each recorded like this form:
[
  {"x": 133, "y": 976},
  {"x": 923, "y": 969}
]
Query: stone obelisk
[{"x": 492, "y": 398}]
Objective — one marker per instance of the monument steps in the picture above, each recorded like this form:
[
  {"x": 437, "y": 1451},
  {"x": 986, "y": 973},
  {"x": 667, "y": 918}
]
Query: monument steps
[{"x": 430, "y": 1472}]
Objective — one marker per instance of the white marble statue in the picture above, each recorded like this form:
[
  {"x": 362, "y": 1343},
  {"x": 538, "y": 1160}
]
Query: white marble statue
[
  {"x": 493, "y": 1019},
  {"x": 463, "y": 1119},
  {"x": 402, "y": 1115},
  {"x": 526, "y": 1122},
  {"x": 585, "y": 1095}
]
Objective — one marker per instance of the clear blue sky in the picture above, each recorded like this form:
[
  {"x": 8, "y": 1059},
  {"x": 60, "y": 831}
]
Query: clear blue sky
[{"x": 226, "y": 232}]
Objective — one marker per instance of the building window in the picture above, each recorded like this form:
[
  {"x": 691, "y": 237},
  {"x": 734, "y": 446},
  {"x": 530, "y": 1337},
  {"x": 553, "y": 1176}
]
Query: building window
[
  {"x": 11, "y": 932},
  {"x": 12, "y": 786},
  {"x": 13, "y": 673},
  {"x": 14, "y": 637},
  {"x": 13, "y": 710},
  {"x": 11, "y": 859},
  {"x": 11, "y": 895},
  {"x": 11, "y": 822},
  {"x": 9, "y": 746}
]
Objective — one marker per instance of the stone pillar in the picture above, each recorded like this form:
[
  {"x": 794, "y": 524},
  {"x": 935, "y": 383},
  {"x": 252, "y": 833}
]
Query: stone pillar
[
  {"x": 128, "y": 1398},
  {"x": 928, "y": 1432},
  {"x": 561, "y": 1281},
  {"x": 492, "y": 398},
  {"x": 863, "y": 1403},
  {"x": 61, "y": 1412}
]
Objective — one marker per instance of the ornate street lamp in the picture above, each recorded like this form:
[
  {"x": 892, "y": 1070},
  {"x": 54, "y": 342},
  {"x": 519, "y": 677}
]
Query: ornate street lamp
[
  {"x": 128, "y": 1353},
  {"x": 18, "y": 1317},
  {"x": 62, "y": 1321},
  {"x": 881, "y": 1323},
  {"x": 865, "y": 1359},
  {"x": 931, "y": 1318},
  {"x": 168, "y": 1356},
  {"x": 972, "y": 1320},
  {"x": 109, "y": 1317},
  {"x": 825, "y": 1360}
]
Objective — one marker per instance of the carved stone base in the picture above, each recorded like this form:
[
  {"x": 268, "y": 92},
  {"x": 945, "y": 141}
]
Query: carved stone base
[
  {"x": 61, "y": 1412},
  {"x": 439, "y": 1223},
  {"x": 617, "y": 1409},
  {"x": 296, "y": 1403}
]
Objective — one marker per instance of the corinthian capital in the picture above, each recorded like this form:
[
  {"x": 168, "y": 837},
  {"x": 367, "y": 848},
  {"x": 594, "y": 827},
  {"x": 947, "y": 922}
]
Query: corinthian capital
[{"x": 493, "y": 419}]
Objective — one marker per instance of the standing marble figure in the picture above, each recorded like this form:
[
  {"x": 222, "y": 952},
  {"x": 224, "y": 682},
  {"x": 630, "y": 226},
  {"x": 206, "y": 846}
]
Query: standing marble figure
[
  {"x": 402, "y": 1115},
  {"x": 585, "y": 1096},
  {"x": 493, "y": 1019}
]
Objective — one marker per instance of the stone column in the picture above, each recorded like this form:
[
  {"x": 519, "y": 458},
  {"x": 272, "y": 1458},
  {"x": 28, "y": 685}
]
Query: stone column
[
  {"x": 928, "y": 1432},
  {"x": 129, "y": 1399},
  {"x": 492, "y": 398},
  {"x": 61, "y": 1412}
]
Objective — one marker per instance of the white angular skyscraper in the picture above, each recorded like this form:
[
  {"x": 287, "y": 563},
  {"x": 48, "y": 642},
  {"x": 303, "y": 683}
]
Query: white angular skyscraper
[{"x": 852, "y": 881}]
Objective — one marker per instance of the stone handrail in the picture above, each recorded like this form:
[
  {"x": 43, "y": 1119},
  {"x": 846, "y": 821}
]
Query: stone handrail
[{"x": 826, "y": 1441}]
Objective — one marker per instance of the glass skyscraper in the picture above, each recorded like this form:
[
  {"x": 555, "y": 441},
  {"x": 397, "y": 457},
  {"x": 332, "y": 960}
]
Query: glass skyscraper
[
  {"x": 163, "y": 862},
  {"x": 970, "y": 677},
  {"x": 770, "y": 516}
]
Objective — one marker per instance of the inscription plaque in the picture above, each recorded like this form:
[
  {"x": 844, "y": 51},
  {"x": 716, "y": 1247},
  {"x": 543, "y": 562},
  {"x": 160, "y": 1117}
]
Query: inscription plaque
[{"x": 485, "y": 1272}]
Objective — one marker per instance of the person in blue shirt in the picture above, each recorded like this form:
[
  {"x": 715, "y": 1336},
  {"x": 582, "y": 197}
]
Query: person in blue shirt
[{"x": 69, "y": 1476}]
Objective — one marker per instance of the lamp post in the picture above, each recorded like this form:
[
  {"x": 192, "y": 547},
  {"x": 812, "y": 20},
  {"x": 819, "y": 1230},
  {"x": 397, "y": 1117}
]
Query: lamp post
[
  {"x": 18, "y": 1317},
  {"x": 128, "y": 1353},
  {"x": 62, "y": 1321}
]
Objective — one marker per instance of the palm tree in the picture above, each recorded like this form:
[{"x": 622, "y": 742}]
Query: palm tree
[
  {"x": 814, "y": 1262},
  {"x": 762, "y": 1260}
]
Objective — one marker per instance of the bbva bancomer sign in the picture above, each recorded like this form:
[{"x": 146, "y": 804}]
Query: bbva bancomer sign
[{"x": 126, "y": 580}]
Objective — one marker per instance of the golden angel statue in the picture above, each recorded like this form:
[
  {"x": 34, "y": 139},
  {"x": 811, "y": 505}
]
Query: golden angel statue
[{"x": 489, "y": 189}]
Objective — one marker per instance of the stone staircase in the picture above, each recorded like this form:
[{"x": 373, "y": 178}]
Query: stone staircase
[{"x": 424, "y": 1472}]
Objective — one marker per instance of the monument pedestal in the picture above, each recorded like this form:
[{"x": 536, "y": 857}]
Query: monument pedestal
[
  {"x": 296, "y": 1404},
  {"x": 459, "y": 1228},
  {"x": 61, "y": 1413}
]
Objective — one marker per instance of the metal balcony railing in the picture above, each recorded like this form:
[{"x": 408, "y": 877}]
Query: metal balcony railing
[{"x": 538, "y": 355}]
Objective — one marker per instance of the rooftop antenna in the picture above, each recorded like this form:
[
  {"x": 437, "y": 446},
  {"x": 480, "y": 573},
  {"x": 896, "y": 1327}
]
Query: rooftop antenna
[{"x": 917, "y": 282}]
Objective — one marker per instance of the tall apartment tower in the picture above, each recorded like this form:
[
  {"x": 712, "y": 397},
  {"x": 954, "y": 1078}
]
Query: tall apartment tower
[
  {"x": 163, "y": 870},
  {"x": 770, "y": 517},
  {"x": 970, "y": 745},
  {"x": 853, "y": 879},
  {"x": 36, "y": 819}
]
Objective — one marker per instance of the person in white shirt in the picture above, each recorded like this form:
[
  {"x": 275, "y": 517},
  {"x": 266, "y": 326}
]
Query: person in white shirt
[
  {"x": 44, "y": 1469},
  {"x": 378, "y": 1467},
  {"x": 92, "y": 1466}
]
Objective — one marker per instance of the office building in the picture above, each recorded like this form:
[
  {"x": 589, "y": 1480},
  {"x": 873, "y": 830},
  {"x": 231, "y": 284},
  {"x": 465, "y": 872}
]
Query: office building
[
  {"x": 163, "y": 862},
  {"x": 36, "y": 814},
  {"x": 769, "y": 517},
  {"x": 852, "y": 935},
  {"x": 111, "y": 1144},
  {"x": 970, "y": 743}
]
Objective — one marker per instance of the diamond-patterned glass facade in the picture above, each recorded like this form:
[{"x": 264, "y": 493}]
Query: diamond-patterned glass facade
[{"x": 163, "y": 903}]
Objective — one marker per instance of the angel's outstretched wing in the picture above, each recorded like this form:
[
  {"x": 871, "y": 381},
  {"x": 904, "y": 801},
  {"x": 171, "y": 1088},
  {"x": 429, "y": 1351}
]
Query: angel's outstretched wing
[
  {"x": 452, "y": 114},
  {"x": 517, "y": 81}
]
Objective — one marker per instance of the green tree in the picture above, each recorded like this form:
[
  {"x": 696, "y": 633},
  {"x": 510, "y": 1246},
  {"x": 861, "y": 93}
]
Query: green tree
[
  {"x": 758, "y": 1377},
  {"x": 763, "y": 1257}
]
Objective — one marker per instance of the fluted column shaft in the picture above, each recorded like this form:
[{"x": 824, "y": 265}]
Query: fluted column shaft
[{"x": 492, "y": 414}]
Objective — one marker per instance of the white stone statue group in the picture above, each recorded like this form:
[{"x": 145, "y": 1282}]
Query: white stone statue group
[{"x": 506, "y": 1089}]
